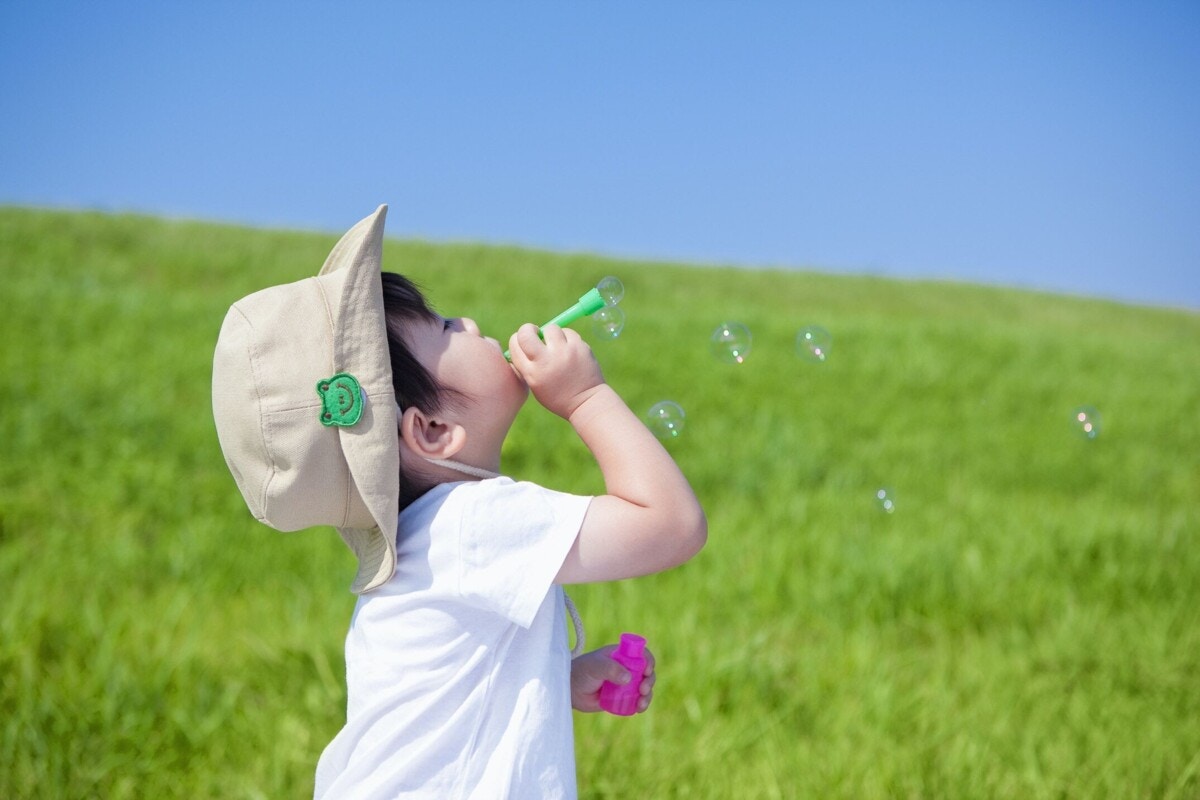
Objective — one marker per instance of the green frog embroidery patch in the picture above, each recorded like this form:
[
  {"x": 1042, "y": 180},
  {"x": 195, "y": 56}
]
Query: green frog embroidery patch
[{"x": 342, "y": 400}]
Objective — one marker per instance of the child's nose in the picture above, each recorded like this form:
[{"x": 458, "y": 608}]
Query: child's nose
[{"x": 470, "y": 327}]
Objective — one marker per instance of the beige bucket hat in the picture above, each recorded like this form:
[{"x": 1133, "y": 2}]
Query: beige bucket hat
[{"x": 304, "y": 405}]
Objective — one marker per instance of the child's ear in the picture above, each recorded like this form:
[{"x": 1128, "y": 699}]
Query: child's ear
[{"x": 430, "y": 437}]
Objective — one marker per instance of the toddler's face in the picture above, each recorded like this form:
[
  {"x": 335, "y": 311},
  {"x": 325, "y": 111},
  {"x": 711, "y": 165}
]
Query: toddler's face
[{"x": 460, "y": 357}]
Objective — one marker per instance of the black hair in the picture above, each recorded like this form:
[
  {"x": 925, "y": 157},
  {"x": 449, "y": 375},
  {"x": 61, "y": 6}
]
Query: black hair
[{"x": 403, "y": 304}]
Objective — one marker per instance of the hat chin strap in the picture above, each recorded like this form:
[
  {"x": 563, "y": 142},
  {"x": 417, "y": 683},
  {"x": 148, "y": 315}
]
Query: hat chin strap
[
  {"x": 457, "y": 466},
  {"x": 465, "y": 469}
]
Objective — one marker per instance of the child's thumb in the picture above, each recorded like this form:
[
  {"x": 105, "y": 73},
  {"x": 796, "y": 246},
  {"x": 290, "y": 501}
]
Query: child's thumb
[{"x": 615, "y": 673}]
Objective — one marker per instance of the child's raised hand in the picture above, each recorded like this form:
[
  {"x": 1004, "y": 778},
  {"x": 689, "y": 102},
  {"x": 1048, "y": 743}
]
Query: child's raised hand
[
  {"x": 590, "y": 670},
  {"x": 559, "y": 367}
]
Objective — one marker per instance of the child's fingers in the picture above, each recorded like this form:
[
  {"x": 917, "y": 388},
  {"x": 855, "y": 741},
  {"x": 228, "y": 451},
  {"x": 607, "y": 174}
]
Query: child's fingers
[
  {"x": 615, "y": 673},
  {"x": 526, "y": 340},
  {"x": 553, "y": 335},
  {"x": 572, "y": 337},
  {"x": 601, "y": 667},
  {"x": 646, "y": 690},
  {"x": 646, "y": 687},
  {"x": 523, "y": 347}
]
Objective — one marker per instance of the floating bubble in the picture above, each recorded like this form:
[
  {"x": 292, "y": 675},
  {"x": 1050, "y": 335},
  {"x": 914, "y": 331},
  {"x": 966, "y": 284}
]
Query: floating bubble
[
  {"x": 1087, "y": 421},
  {"x": 730, "y": 342},
  {"x": 608, "y": 322},
  {"x": 611, "y": 289},
  {"x": 665, "y": 419},
  {"x": 813, "y": 343},
  {"x": 886, "y": 501}
]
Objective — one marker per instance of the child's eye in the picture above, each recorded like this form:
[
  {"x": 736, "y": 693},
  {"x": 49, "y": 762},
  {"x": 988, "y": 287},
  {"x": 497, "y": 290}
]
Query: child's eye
[{"x": 447, "y": 324}]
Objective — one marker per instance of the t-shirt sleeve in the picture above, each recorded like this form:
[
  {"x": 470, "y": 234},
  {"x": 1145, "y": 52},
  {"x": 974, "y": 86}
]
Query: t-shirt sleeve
[{"x": 513, "y": 540}]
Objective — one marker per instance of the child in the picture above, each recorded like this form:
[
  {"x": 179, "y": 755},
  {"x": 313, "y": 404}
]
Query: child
[{"x": 344, "y": 400}]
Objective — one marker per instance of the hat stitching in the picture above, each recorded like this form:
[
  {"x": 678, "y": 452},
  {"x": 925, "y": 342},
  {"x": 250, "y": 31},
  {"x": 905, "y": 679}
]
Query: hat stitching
[
  {"x": 346, "y": 502},
  {"x": 332, "y": 328},
  {"x": 289, "y": 408},
  {"x": 273, "y": 470}
]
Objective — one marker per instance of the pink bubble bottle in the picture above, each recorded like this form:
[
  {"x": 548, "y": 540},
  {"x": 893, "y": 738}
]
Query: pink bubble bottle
[{"x": 623, "y": 700}]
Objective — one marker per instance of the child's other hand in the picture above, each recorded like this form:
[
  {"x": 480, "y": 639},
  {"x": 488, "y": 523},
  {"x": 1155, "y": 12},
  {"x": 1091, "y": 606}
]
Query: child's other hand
[
  {"x": 590, "y": 670},
  {"x": 559, "y": 368}
]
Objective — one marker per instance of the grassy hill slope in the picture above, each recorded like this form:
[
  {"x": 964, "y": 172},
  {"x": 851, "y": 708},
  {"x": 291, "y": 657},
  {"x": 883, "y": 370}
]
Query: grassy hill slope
[{"x": 1025, "y": 624}]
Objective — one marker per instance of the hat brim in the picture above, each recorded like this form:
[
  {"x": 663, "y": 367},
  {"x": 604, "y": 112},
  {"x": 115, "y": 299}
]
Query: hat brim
[{"x": 370, "y": 446}]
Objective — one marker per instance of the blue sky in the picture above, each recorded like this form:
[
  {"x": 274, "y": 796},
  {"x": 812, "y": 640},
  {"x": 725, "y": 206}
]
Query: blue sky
[{"x": 1047, "y": 145}]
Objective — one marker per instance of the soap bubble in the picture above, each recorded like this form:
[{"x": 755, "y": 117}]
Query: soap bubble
[
  {"x": 886, "y": 501},
  {"x": 611, "y": 289},
  {"x": 730, "y": 342},
  {"x": 665, "y": 419},
  {"x": 608, "y": 322},
  {"x": 813, "y": 343},
  {"x": 1087, "y": 421}
]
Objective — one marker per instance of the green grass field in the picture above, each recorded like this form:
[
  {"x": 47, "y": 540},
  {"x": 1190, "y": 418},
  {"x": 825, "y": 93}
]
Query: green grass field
[{"x": 1026, "y": 624}]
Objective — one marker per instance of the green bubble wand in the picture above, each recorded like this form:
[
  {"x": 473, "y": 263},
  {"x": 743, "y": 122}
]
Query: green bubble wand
[{"x": 607, "y": 292}]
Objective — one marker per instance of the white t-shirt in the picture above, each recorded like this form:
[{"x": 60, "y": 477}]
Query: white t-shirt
[{"x": 458, "y": 668}]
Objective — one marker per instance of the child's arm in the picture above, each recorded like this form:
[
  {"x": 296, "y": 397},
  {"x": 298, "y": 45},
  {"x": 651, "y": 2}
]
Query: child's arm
[
  {"x": 649, "y": 519},
  {"x": 590, "y": 670}
]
